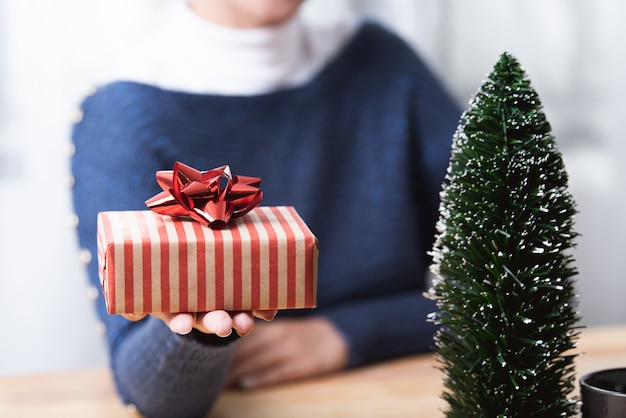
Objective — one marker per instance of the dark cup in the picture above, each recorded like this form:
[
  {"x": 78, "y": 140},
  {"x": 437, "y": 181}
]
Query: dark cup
[{"x": 604, "y": 394}]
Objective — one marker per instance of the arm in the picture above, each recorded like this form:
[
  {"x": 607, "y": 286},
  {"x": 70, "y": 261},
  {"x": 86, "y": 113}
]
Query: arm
[
  {"x": 384, "y": 323},
  {"x": 396, "y": 324},
  {"x": 161, "y": 372}
]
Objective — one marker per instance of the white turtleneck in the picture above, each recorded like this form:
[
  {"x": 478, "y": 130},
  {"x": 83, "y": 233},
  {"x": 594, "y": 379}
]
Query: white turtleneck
[{"x": 193, "y": 55}]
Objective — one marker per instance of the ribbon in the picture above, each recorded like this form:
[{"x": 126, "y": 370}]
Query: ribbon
[{"x": 210, "y": 197}]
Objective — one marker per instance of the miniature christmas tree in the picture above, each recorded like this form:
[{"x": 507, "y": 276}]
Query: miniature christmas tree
[{"x": 505, "y": 285}]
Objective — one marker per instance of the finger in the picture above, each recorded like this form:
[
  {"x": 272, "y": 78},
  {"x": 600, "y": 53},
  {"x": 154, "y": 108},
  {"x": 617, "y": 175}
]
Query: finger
[
  {"x": 243, "y": 323},
  {"x": 134, "y": 317},
  {"x": 282, "y": 372},
  {"x": 253, "y": 355},
  {"x": 265, "y": 315},
  {"x": 248, "y": 368},
  {"x": 254, "y": 345},
  {"x": 216, "y": 322},
  {"x": 180, "y": 323}
]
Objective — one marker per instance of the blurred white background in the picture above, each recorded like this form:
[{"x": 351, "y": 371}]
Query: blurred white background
[{"x": 51, "y": 52}]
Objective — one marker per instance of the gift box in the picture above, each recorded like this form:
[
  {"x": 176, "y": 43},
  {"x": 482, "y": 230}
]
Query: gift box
[{"x": 148, "y": 262}]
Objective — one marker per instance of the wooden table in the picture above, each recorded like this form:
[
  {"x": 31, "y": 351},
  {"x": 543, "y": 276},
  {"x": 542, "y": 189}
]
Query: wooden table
[{"x": 407, "y": 387}]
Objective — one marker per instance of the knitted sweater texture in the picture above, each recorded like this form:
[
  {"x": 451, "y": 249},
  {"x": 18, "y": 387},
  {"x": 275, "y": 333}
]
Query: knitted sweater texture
[{"x": 360, "y": 151}]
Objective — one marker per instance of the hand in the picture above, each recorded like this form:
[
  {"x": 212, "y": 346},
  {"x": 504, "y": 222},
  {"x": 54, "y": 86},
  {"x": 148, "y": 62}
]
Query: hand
[
  {"x": 218, "y": 322},
  {"x": 286, "y": 350}
]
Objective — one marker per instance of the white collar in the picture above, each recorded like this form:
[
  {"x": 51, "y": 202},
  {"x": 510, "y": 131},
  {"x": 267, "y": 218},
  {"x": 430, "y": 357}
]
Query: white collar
[{"x": 192, "y": 55}]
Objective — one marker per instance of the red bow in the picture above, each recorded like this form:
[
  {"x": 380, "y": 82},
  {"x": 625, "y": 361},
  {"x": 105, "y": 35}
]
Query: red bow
[{"x": 210, "y": 197}]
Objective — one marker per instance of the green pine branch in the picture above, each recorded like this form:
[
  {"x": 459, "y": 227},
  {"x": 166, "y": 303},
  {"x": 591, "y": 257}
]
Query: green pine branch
[{"x": 505, "y": 287}]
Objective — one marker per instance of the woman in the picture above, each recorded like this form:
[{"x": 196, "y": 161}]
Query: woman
[{"x": 354, "y": 133}]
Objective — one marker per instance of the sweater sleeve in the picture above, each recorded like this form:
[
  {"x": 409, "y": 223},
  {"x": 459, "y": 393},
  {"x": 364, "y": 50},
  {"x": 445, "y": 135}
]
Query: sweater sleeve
[
  {"x": 384, "y": 328},
  {"x": 162, "y": 373}
]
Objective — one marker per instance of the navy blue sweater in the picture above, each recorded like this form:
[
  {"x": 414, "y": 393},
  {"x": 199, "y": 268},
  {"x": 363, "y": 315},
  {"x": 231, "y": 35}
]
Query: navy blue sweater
[{"x": 360, "y": 152}]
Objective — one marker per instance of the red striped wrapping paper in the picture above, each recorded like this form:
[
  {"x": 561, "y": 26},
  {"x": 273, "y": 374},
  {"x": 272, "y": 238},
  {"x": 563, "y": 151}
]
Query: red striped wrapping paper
[{"x": 266, "y": 259}]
